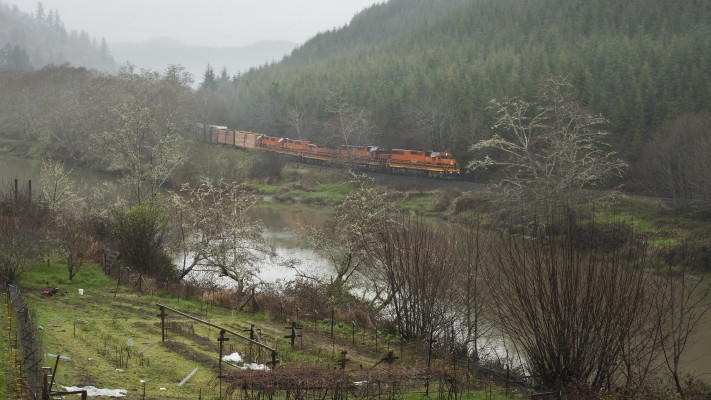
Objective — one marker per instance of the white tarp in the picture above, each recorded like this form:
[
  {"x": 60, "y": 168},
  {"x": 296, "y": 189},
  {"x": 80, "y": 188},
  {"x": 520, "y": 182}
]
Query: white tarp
[
  {"x": 254, "y": 367},
  {"x": 233, "y": 358},
  {"x": 91, "y": 391}
]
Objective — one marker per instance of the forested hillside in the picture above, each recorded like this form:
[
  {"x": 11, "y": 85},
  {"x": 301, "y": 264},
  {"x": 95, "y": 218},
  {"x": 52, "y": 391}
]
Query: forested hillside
[
  {"x": 424, "y": 71},
  {"x": 30, "y": 42}
]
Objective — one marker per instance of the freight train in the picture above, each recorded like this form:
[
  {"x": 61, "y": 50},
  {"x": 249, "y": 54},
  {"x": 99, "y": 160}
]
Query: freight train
[{"x": 373, "y": 158}]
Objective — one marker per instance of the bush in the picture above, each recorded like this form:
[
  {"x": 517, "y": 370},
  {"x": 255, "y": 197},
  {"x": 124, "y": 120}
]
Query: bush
[
  {"x": 467, "y": 202},
  {"x": 268, "y": 165},
  {"x": 443, "y": 199},
  {"x": 695, "y": 255}
]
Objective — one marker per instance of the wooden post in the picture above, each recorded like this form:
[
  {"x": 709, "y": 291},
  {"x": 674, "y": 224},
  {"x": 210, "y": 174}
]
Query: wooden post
[
  {"x": 54, "y": 373},
  {"x": 221, "y": 339},
  {"x": 274, "y": 359},
  {"x": 45, "y": 391},
  {"x": 162, "y": 323},
  {"x": 376, "y": 339}
]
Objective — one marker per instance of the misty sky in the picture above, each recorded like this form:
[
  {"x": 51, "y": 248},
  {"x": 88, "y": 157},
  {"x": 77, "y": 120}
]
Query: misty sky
[{"x": 202, "y": 22}]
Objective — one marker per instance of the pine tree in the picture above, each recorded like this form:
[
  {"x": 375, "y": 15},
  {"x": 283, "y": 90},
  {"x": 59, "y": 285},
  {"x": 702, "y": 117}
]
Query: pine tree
[
  {"x": 208, "y": 79},
  {"x": 39, "y": 13},
  {"x": 18, "y": 60}
]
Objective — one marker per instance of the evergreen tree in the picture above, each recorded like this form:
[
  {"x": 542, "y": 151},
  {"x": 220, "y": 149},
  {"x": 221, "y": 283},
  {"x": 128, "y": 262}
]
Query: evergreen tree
[
  {"x": 39, "y": 13},
  {"x": 104, "y": 51},
  {"x": 208, "y": 79},
  {"x": 17, "y": 59}
]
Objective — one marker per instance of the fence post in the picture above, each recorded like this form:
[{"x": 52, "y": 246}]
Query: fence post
[
  {"x": 54, "y": 373},
  {"x": 274, "y": 359},
  {"x": 162, "y": 323}
]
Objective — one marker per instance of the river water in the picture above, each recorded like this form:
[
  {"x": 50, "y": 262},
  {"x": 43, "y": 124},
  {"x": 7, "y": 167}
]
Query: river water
[
  {"x": 282, "y": 224},
  {"x": 20, "y": 169},
  {"x": 282, "y": 232}
]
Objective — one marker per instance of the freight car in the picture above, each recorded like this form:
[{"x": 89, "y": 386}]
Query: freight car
[{"x": 374, "y": 158}]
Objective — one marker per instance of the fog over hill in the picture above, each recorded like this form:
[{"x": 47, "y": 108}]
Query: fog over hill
[
  {"x": 157, "y": 54},
  {"x": 33, "y": 40}
]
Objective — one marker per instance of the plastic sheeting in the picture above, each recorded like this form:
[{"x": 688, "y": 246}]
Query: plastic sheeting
[
  {"x": 92, "y": 391},
  {"x": 234, "y": 358}
]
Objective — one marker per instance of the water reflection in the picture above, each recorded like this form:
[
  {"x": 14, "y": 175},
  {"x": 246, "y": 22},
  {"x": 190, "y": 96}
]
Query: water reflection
[
  {"x": 25, "y": 170},
  {"x": 290, "y": 255},
  {"x": 20, "y": 169},
  {"x": 284, "y": 234}
]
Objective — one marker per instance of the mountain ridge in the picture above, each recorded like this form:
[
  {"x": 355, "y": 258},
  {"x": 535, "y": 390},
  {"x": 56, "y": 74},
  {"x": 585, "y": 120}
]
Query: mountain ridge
[{"x": 640, "y": 63}]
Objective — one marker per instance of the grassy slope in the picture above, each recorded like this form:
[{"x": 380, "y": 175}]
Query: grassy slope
[
  {"x": 94, "y": 327},
  {"x": 658, "y": 222},
  {"x": 5, "y": 363}
]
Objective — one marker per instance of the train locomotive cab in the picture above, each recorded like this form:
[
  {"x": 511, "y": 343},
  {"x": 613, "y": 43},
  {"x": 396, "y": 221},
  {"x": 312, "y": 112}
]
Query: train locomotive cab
[
  {"x": 295, "y": 145},
  {"x": 269, "y": 142},
  {"x": 445, "y": 161}
]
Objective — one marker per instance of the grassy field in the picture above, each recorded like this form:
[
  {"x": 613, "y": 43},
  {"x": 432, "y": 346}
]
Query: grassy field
[
  {"x": 110, "y": 337},
  {"x": 113, "y": 339}
]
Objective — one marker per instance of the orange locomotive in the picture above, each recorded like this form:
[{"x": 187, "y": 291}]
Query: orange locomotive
[{"x": 374, "y": 158}]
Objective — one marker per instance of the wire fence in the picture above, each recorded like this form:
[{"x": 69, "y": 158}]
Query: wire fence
[{"x": 26, "y": 344}]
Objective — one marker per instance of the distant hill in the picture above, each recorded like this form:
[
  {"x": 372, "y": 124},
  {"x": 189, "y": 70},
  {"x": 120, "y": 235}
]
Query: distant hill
[
  {"x": 426, "y": 69},
  {"x": 32, "y": 41},
  {"x": 157, "y": 54}
]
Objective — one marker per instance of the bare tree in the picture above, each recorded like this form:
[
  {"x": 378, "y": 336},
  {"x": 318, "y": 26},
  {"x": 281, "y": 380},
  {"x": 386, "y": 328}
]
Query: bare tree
[
  {"x": 419, "y": 268},
  {"x": 347, "y": 256},
  {"x": 349, "y": 125},
  {"x": 145, "y": 137},
  {"x": 675, "y": 163},
  {"x": 681, "y": 302},
  {"x": 363, "y": 218},
  {"x": 472, "y": 256},
  {"x": 21, "y": 234},
  {"x": 215, "y": 234},
  {"x": 147, "y": 154},
  {"x": 570, "y": 303},
  {"x": 549, "y": 152},
  {"x": 58, "y": 188},
  {"x": 67, "y": 212},
  {"x": 294, "y": 118},
  {"x": 346, "y": 239},
  {"x": 434, "y": 117},
  {"x": 127, "y": 147},
  {"x": 76, "y": 243}
]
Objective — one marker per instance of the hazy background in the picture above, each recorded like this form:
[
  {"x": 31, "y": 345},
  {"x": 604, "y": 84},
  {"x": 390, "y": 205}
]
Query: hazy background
[{"x": 236, "y": 34}]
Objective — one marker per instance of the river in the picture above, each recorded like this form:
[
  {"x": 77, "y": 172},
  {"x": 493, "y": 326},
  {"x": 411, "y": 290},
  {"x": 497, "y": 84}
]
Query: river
[{"x": 282, "y": 225}]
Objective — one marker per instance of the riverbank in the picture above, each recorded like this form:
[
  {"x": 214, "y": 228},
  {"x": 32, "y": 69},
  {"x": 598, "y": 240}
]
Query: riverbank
[
  {"x": 323, "y": 188},
  {"x": 17, "y": 148}
]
